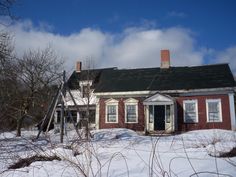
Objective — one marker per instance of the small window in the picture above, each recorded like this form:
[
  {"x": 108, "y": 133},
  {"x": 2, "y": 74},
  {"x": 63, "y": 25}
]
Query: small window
[
  {"x": 111, "y": 113},
  {"x": 190, "y": 111},
  {"x": 214, "y": 110},
  {"x": 85, "y": 91},
  {"x": 71, "y": 116},
  {"x": 131, "y": 113},
  {"x": 167, "y": 113},
  {"x": 151, "y": 114},
  {"x": 92, "y": 116}
]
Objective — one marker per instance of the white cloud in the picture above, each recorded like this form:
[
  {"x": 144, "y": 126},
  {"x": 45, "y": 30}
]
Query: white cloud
[
  {"x": 134, "y": 47},
  {"x": 228, "y": 56}
]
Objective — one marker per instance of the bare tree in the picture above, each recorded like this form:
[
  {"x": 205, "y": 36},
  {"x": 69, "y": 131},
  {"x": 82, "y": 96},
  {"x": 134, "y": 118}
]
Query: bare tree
[
  {"x": 7, "y": 82},
  {"x": 87, "y": 92},
  {"x": 37, "y": 72}
]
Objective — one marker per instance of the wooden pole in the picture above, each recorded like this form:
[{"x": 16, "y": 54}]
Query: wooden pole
[{"x": 62, "y": 108}]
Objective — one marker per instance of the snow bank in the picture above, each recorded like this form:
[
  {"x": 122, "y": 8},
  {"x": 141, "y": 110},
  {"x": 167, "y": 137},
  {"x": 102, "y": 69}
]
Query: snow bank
[
  {"x": 216, "y": 141},
  {"x": 111, "y": 134}
]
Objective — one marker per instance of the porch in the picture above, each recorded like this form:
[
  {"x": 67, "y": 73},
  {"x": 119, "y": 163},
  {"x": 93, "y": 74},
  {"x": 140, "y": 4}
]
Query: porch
[{"x": 160, "y": 114}]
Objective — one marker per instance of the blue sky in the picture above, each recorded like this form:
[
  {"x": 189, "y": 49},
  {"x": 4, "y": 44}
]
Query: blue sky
[{"x": 126, "y": 32}]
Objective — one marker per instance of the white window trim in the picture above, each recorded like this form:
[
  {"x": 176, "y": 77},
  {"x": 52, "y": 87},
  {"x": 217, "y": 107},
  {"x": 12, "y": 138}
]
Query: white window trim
[
  {"x": 196, "y": 104},
  {"x": 220, "y": 109},
  {"x": 131, "y": 101},
  {"x": 115, "y": 103}
]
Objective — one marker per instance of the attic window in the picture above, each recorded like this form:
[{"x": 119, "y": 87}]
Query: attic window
[
  {"x": 85, "y": 87},
  {"x": 85, "y": 91}
]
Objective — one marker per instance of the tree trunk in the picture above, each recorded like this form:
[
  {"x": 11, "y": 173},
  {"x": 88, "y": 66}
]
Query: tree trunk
[{"x": 19, "y": 125}]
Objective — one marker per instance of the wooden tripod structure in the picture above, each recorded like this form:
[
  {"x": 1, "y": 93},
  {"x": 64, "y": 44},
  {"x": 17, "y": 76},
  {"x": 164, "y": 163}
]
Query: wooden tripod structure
[{"x": 59, "y": 98}]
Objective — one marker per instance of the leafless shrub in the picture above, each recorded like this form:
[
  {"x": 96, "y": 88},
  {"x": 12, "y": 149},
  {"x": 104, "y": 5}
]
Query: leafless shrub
[{"x": 27, "y": 161}]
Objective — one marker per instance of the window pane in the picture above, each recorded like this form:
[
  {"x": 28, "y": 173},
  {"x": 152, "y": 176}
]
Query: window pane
[
  {"x": 213, "y": 107},
  {"x": 131, "y": 113},
  {"x": 167, "y": 113},
  {"x": 111, "y": 113},
  {"x": 190, "y": 112},
  {"x": 213, "y": 116},
  {"x": 190, "y": 117},
  {"x": 213, "y": 111},
  {"x": 151, "y": 116},
  {"x": 190, "y": 107}
]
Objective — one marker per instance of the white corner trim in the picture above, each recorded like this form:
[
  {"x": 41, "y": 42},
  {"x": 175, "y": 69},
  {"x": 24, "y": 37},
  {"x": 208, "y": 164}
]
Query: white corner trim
[
  {"x": 97, "y": 114},
  {"x": 220, "y": 111},
  {"x": 232, "y": 111},
  {"x": 196, "y": 107}
]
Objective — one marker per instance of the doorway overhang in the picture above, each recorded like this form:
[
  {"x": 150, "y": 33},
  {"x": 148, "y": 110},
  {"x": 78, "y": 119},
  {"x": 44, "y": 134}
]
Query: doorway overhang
[{"x": 159, "y": 99}]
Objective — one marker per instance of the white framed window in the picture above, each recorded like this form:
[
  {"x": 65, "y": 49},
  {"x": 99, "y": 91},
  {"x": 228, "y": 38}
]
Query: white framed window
[
  {"x": 151, "y": 113},
  {"x": 213, "y": 110},
  {"x": 131, "y": 110},
  {"x": 190, "y": 111},
  {"x": 111, "y": 111},
  {"x": 168, "y": 113},
  {"x": 85, "y": 88}
]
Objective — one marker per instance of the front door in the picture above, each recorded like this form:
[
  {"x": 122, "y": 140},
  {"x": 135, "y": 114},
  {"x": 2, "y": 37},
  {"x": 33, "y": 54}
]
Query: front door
[{"x": 159, "y": 117}]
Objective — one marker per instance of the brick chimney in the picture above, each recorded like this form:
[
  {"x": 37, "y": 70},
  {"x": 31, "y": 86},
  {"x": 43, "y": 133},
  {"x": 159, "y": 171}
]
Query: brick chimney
[
  {"x": 78, "y": 66},
  {"x": 165, "y": 59}
]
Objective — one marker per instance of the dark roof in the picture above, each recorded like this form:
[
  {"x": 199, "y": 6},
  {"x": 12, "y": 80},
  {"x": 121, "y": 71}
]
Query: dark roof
[
  {"x": 174, "y": 78},
  {"x": 93, "y": 74}
]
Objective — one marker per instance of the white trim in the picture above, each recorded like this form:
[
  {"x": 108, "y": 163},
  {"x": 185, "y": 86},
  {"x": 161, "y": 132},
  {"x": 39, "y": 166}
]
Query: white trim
[
  {"x": 232, "y": 111},
  {"x": 199, "y": 90},
  {"x": 97, "y": 114},
  {"x": 111, "y": 102},
  {"x": 131, "y": 100},
  {"x": 220, "y": 109},
  {"x": 124, "y": 93},
  {"x": 165, "y": 114},
  {"x": 86, "y": 82},
  {"x": 77, "y": 116},
  {"x": 134, "y": 102},
  {"x": 159, "y": 103},
  {"x": 147, "y": 92},
  {"x": 196, "y": 108}
]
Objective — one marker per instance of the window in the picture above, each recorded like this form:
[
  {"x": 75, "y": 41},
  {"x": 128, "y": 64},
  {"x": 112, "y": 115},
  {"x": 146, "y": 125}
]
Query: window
[
  {"x": 71, "y": 116},
  {"x": 213, "y": 110},
  {"x": 111, "y": 113},
  {"x": 131, "y": 113},
  {"x": 190, "y": 111},
  {"x": 167, "y": 113},
  {"x": 85, "y": 91},
  {"x": 85, "y": 88},
  {"x": 151, "y": 114},
  {"x": 131, "y": 110}
]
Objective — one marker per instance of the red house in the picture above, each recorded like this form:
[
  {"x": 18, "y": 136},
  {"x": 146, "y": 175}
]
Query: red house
[{"x": 165, "y": 99}]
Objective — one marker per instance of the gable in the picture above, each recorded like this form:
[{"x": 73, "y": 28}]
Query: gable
[{"x": 158, "y": 99}]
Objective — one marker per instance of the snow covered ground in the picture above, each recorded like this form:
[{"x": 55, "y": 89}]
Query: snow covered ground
[{"x": 121, "y": 152}]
